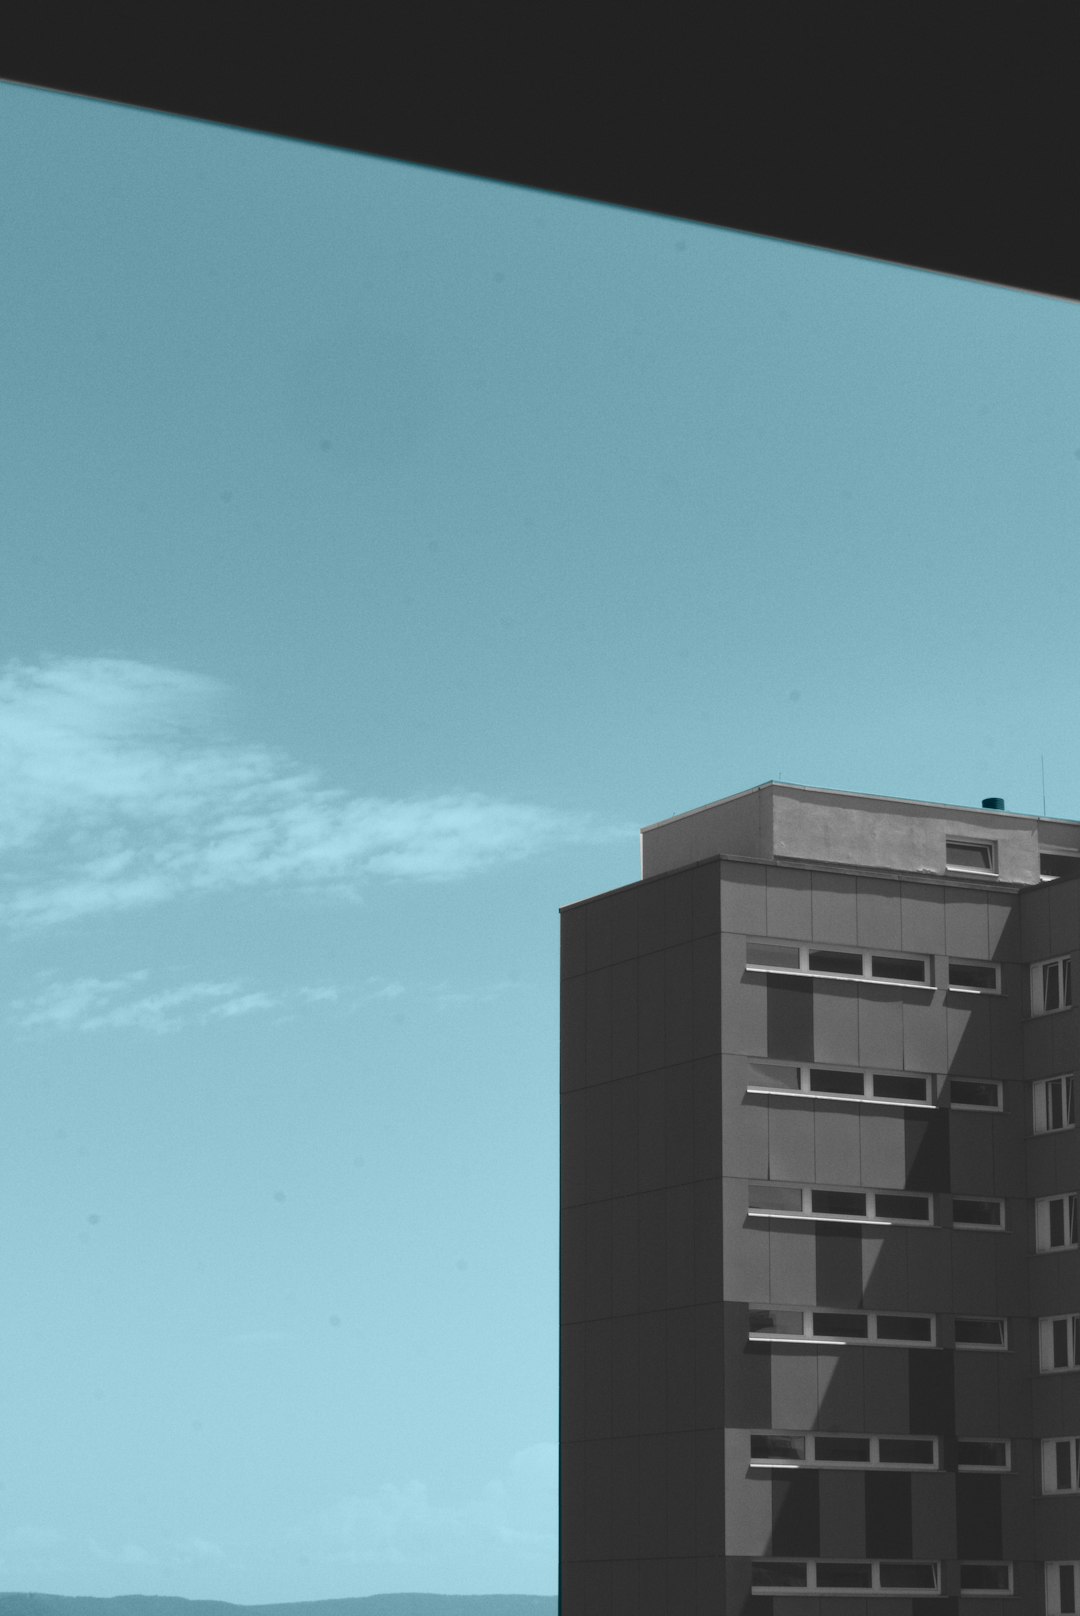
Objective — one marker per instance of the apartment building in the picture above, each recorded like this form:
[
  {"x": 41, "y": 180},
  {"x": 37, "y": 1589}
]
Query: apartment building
[{"x": 820, "y": 1168}]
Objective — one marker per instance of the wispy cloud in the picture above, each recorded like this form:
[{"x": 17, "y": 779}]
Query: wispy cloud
[
  {"x": 120, "y": 791},
  {"x": 402, "y": 1525},
  {"x": 90, "y": 1002}
]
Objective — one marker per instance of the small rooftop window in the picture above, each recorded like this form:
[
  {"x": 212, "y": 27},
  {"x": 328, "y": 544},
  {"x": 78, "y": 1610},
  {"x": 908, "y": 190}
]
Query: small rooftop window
[{"x": 976, "y": 857}]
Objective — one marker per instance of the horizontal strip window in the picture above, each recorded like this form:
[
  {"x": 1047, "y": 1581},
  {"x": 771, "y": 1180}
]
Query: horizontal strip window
[
  {"x": 848, "y": 1206},
  {"x": 1061, "y": 1464},
  {"x": 1056, "y": 1223},
  {"x": 973, "y": 1094},
  {"x": 1062, "y": 1587},
  {"x": 849, "y": 964},
  {"x": 974, "y": 976},
  {"x": 1051, "y": 985},
  {"x": 1059, "y": 1343},
  {"x": 860, "y": 1329},
  {"x": 1055, "y": 1104},
  {"x": 983, "y": 1453},
  {"x": 970, "y": 1213},
  {"x": 986, "y": 1577},
  {"x": 987, "y": 1335},
  {"x": 843, "y": 1083},
  {"x": 844, "y": 1576},
  {"x": 775, "y": 1451}
]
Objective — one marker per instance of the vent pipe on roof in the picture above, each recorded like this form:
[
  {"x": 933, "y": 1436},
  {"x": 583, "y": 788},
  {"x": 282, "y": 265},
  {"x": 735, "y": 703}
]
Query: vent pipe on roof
[{"x": 997, "y": 803}]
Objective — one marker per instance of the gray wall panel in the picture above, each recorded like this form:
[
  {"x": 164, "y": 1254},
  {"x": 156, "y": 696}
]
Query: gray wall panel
[
  {"x": 836, "y": 1023},
  {"x": 882, "y": 1149},
  {"x": 678, "y": 1004},
  {"x": 885, "y": 1388},
  {"x": 794, "y": 1391},
  {"x": 572, "y": 1034},
  {"x": 625, "y": 1370},
  {"x": 681, "y": 1369},
  {"x": 878, "y": 913},
  {"x": 598, "y": 1026},
  {"x": 926, "y": 1044},
  {"x": 625, "y": 1479},
  {"x": 650, "y": 1012},
  {"x": 1035, "y": 923},
  {"x": 573, "y": 1290},
  {"x": 709, "y": 1493},
  {"x": 836, "y": 1144},
  {"x": 625, "y": 1260},
  {"x": 832, "y": 908},
  {"x": 652, "y": 1130},
  {"x": 1003, "y": 925},
  {"x": 625, "y": 1123},
  {"x": 746, "y": 1137},
  {"x": 968, "y": 1028},
  {"x": 971, "y": 1153},
  {"x": 678, "y": 908},
  {"x": 743, "y": 898},
  {"x": 743, "y": 1002},
  {"x": 885, "y": 1272},
  {"x": 598, "y": 1254},
  {"x": 1064, "y": 917},
  {"x": 922, "y": 918},
  {"x": 681, "y": 1514},
  {"x": 624, "y": 1039},
  {"x": 596, "y": 1123},
  {"x": 843, "y": 1516},
  {"x": 709, "y": 1365},
  {"x": 707, "y": 885},
  {"x": 747, "y": 1501},
  {"x": 708, "y": 1240},
  {"x": 792, "y": 1275},
  {"x": 573, "y": 930},
  {"x": 572, "y": 1155},
  {"x": 881, "y": 1028},
  {"x": 679, "y": 1123},
  {"x": 841, "y": 1395},
  {"x": 746, "y": 1249},
  {"x": 708, "y": 1102},
  {"x": 598, "y": 1379},
  {"x": 652, "y": 1373},
  {"x": 623, "y": 913},
  {"x": 572, "y": 1389},
  {"x": 791, "y": 1141},
  {"x": 967, "y": 930},
  {"x": 679, "y": 1236},
  {"x": 707, "y": 1032},
  {"x": 652, "y": 1249},
  {"x": 787, "y": 903},
  {"x": 598, "y": 915},
  {"x": 933, "y": 1518}
]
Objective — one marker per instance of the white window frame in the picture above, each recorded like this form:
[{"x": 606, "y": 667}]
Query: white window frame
[
  {"x": 973, "y": 1105},
  {"x": 1040, "y": 1095},
  {"x": 986, "y": 1593},
  {"x": 982, "y": 870},
  {"x": 871, "y": 1339},
  {"x": 812, "y": 1462},
  {"x": 1054, "y": 1569},
  {"x": 867, "y": 956},
  {"x": 1039, "y": 983},
  {"x": 982, "y": 1228},
  {"x": 1050, "y": 1446},
  {"x": 997, "y": 1469},
  {"x": 802, "y": 1090},
  {"x": 807, "y": 1213},
  {"x": 773, "y": 1590},
  {"x": 983, "y": 965},
  {"x": 981, "y": 1346},
  {"x": 1071, "y": 1216},
  {"x": 1071, "y": 1321}
]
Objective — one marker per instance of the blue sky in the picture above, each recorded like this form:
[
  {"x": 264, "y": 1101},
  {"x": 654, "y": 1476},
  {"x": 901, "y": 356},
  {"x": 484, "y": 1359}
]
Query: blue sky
[{"x": 382, "y": 548}]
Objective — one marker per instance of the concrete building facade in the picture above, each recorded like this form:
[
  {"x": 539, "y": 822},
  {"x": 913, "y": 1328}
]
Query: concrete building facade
[{"x": 820, "y": 1316}]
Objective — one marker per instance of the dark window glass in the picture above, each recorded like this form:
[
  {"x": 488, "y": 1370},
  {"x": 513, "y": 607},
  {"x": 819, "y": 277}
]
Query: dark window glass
[
  {"x": 907, "y": 1574},
  {"x": 776, "y": 1322},
  {"x": 1067, "y": 1590},
  {"x": 1061, "y": 1343},
  {"x": 1051, "y": 993},
  {"x": 844, "y": 1574},
  {"x": 777, "y": 1077},
  {"x": 1066, "y": 981},
  {"x": 1057, "y": 1222},
  {"x": 766, "y": 1445},
  {"x": 855, "y": 1324},
  {"x": 1055, "y": 1109},
  {"x": 783, "y": 955},
  {"x": 778, "y": 1574},
  {"x": 829, "y": 1082},
  {"x": 891, "y": 1086},
  {"x": 991, "y": 1578},
  {"x": 987, "y": 1455},
  {"x": 842, "y": 1449},
  {"x": 1058, "y": 865},
  {"x": 903, "y": 970},
  {"x": 916, "y": 1208},
  {"x": 989, "y": 1214},
  {"x": 963, "y": 975},
  {"x": 969, "y": 855},
  {"x": 968, "y": 1091},
  {"x": 1063, "y": 1465},
  {"x": 827, "y": 959},
  {"x": 906, "y": 1450},
  {"x": 900, "y": 1328},
  {"x": 775, "y": 1198},
  {"x": 849, "y": 1203},
  {"x": 980, "y": 1332}
]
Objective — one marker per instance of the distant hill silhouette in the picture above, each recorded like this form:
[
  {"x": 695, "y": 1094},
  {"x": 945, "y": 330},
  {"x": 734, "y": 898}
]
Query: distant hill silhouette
[{"x": 372, "y": 1605}]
